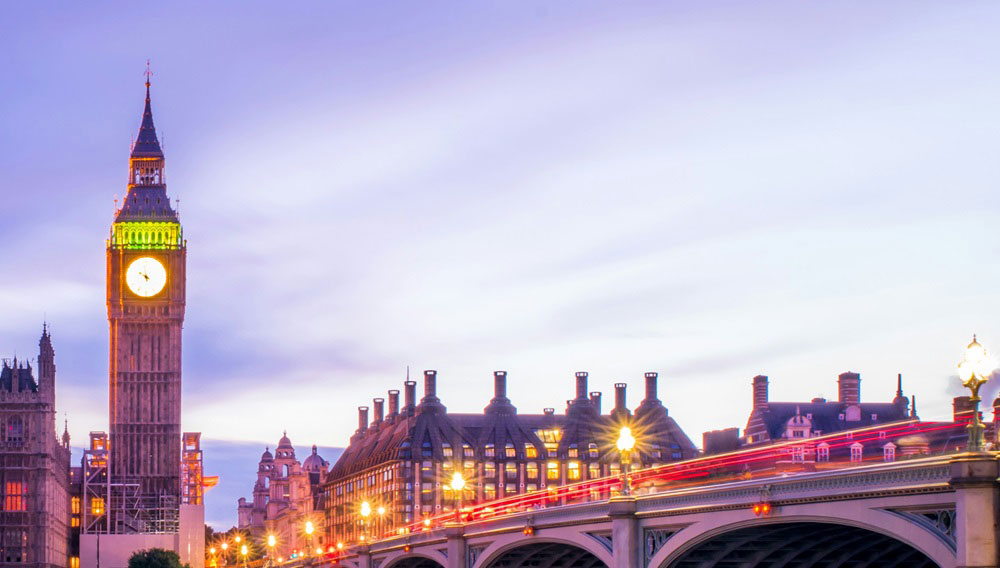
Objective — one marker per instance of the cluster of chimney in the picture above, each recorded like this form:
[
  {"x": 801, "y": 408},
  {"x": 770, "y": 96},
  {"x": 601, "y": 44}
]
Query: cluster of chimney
[{"x": 430, "y": 401}]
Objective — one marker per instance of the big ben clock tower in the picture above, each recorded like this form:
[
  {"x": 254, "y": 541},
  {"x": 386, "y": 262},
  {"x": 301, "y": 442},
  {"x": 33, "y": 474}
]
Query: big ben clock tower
[{"x": 146, "y": 258}]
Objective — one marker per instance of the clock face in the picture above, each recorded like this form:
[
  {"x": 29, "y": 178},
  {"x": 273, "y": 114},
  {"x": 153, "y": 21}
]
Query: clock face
[{"x": 146, "y": 276}]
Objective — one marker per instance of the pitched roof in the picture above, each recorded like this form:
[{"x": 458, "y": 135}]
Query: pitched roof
[{"x": 828, "y": 417}]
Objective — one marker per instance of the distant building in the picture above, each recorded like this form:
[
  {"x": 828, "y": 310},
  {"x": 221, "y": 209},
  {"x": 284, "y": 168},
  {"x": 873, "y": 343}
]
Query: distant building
[
  {"x": 284, "y": 499},
  {"x": 771, "y": 422},
  {"x": 403, "y": 461},
  {"x": 34, "y": 465}
]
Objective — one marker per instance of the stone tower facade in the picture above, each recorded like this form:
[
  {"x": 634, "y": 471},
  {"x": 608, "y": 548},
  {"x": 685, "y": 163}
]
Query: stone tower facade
[
  {"x": 34, "y": 465},
  {"x": 146, "y": 255}
]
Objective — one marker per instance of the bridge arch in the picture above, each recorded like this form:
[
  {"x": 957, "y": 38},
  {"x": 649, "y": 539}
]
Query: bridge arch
[
  {"x": 551, "y": 551},
  {"x": 803, "y": 541},
  {"x": 413, "y": 561}
]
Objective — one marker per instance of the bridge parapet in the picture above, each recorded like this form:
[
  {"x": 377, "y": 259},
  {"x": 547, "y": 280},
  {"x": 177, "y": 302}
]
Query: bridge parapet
[{"x": 943, "y": 506}]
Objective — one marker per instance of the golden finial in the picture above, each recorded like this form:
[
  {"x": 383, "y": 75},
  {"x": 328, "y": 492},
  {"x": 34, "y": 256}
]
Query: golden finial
[{"x": 148, "y": 73}]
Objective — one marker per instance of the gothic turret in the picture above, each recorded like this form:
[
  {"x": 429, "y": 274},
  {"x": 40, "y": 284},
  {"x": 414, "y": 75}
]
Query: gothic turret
[{"x": 46, "y": 365}]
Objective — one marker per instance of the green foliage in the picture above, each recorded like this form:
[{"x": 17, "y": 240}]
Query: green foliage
[{"x": 155, "y": 558}]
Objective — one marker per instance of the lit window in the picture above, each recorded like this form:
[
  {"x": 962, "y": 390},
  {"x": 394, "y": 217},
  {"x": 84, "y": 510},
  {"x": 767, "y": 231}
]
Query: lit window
[
  {"x": 594, "y": 471},
  {"x": 75, "y": 505},
  {"x": 531, "y": 470},
  {"x": 446, "y": 450},
  {"x": 531, "y": 487},
  {"x": 552, "y": 470},
  {"x": 510, "y": 488},
  {"x": 509, "y": 450},
  {"x": 489, "y": 470},
  {"x": 798, "y": 454},
  {"x": 469, "y": 469},
  {"x": 530, "y": 451},
  {"x": 592, "y": 450},
  {"x": 573, "y": 471},
  {"x": 467, "y": 451},
  {"x": 96, "y": 506},
  {"x": 490, "y": 450},
  {"x": 510, "y": 470},
  {"x": 74, "y": 522},
  {"x": 573, "y": 451},
  {"x": 490, "y": 491}
]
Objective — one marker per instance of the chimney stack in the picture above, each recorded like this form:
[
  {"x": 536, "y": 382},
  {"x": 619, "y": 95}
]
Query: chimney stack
[
  {"x": 849, "y": 386},
  {"x": 379, "y": 410},
  {"x": 595, "y": 399},
  {"x": 430, "y": 386},
  {"x": 651, "y": 387},
  {"x": 499, "y": 385},
  {"x": 393, "y": 403},
  {"x": 410, "y": 397},
  {"x": 760, "y": 392},
  {"x": 620, "y": 397},
  {"x": 581, "y": 385},
  {"x": 362, "y": 419}
]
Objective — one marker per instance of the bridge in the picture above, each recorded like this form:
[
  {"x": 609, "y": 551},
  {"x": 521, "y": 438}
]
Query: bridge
[{"x": 922, "y": 512}]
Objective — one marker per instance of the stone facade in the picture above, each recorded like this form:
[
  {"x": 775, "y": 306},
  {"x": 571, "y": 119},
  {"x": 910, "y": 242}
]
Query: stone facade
[
  {"x": 402, "y": 461},
  {"x": 34, "y": 466},
  {"x": 284, "y": 500}
]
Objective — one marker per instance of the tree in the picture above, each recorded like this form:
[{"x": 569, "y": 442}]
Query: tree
[{"x": 155, "y": 558}]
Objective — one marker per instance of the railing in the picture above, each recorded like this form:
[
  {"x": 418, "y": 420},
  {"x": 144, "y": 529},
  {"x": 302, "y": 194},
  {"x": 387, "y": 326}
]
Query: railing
[{"x": 743, "y": 465}]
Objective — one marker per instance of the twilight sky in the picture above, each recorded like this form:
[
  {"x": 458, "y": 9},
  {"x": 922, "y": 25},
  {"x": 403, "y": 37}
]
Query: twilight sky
[{"x": 708, "y": 190}]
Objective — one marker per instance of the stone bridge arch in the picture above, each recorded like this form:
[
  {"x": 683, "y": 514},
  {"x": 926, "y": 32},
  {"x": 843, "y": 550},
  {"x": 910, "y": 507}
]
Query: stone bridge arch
[
  {"x": 413, "y": 560},
  {"x": 559, "y": 548},
  {"x": 801, "y": 544},
  {"x": 893, "y": 532}
]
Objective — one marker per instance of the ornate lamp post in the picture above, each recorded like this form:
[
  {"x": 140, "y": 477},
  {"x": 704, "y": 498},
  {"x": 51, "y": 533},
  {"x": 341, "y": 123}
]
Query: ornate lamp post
[
  {"x": 458, "y": 485},
  {"x": 381, "y": 518},
  {"x": 625, "y": 444},
  {"x": 309, "y": 536},
  {"x": 243, "y": 551},
  {"x": 225, "y": 553},
  {"x": 974, "y": 370},
  {"x": 271, "y": 541},
  {"x": 366, "y": 511}
]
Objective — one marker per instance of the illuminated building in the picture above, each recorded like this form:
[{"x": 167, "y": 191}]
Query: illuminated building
[
  {"x": 401, "y": 461},
  {"x": 284, "y": 499},
  {"x": 136, "y": 484},
  {"x": 34, "y": 465}
]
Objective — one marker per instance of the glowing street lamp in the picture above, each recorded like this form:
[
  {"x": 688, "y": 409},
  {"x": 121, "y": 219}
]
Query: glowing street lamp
[
  {"x": 366, "y": 511},
  {"x": 625, "y": 444},
  {"x": 243, "y": 551},
  {"x": 271, "y": 541},
  {"x": 457, "y": 485},
  {"x": 309, "y": 534},
  {"x": 974, "y": 370},
  {"x": 225, "y": 547}
]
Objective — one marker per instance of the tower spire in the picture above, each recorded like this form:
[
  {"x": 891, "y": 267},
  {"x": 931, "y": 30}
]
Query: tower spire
[{"x": 146, "y": 144}]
